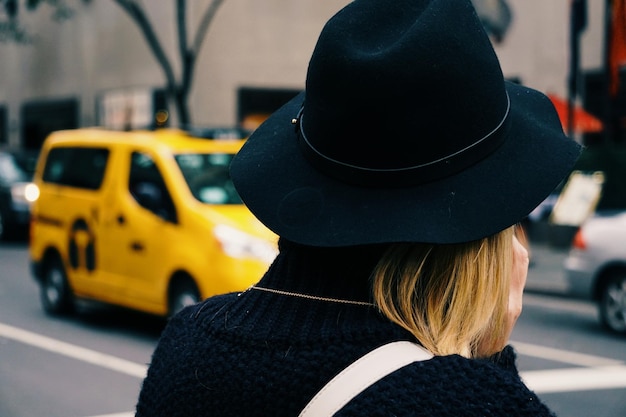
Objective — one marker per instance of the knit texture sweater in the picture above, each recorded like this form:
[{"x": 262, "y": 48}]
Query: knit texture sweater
[{"x": 264, "y": 354}]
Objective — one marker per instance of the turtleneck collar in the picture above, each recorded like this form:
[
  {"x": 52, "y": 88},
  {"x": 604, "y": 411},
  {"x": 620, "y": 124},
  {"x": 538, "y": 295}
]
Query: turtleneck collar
[
  {"x": 340, "y": 273},
  {"x": 337, "y": 273}
]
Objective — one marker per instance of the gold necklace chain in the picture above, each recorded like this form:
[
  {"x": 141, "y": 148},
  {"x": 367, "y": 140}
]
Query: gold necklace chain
[{"x": 311, "y": 297}]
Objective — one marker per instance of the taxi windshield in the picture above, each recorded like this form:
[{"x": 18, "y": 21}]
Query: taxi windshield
[{"x": 208, "y": 178}]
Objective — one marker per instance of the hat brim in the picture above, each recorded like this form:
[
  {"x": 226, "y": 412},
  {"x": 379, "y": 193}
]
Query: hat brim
[{"x": 296, "y": 201}]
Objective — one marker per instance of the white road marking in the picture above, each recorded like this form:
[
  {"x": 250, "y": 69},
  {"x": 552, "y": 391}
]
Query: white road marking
[
  {"x": 76, "y": 352},
  {"x": 117, "y": 415},
  {"x": 563, "y": 356},
  {"x": 594, "y": 372},
  {"x": 576, "y": 379},
  {"x": 572, "y": 305}
]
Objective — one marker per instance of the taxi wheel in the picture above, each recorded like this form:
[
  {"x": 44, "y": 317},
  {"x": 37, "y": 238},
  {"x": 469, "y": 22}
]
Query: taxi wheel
[
  {"x": 2, "y": 227},
  {"x": 183, "y": 293},
  {"x": 55, "y": 292},
  {"x": 613, "y": 303},
  {"x": 5, "y": 228}
]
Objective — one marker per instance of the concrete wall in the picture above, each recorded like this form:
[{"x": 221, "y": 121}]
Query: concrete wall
[
  {"x": 537, "y": 46},
  {"x": 253, "y": 43}
]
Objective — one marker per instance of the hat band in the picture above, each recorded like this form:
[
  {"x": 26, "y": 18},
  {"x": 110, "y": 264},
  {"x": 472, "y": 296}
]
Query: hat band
[{"x": 406, "y": 176}]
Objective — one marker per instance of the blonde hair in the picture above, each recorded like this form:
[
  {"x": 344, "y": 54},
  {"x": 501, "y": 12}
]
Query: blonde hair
[{"x": 452, "y": 298}]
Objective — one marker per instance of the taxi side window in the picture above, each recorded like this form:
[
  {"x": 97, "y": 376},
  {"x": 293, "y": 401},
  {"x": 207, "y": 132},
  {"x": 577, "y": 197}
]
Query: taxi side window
[
  {"x": 148, "y": 188},
  {"x": 76, "y": 167}
]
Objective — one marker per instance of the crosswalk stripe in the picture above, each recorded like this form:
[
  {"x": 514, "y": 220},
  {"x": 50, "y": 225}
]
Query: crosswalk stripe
[
  {"x": 76, "y": 352},
  {"x": 593, "y": 373},
  {"x": 563, "y": 356},
  {"x": 117, "y": 415},
  {"x": 576, "y": 379}
]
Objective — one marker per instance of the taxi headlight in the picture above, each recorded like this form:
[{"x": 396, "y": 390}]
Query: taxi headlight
[
  {"x": 239, "y": 244},
  {"x": 24, "y": 193},
  {"x": 31, "y": 192}
]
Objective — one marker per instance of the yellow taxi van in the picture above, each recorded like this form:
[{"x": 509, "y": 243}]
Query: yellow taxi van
[{"x": 147, "y": 220}]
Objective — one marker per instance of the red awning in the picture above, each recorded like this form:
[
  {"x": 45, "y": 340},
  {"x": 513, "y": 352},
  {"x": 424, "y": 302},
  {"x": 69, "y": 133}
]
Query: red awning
[{"x": 584, "y": 122}]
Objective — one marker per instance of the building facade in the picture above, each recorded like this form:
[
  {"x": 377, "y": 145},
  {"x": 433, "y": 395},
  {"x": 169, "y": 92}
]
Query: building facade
[{"x": 96, "y": 68}]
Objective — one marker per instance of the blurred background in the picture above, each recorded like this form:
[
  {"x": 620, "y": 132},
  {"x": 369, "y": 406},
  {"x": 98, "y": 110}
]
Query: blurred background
[{"x": 131, "y": 64}]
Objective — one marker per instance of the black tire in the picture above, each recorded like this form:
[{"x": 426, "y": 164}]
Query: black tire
[
  {"x": 183, "y": 292},
  {"x": 4, "y": 230},
  {"x": 613, "y": 303},
  {"x": 55, "y": 292}
]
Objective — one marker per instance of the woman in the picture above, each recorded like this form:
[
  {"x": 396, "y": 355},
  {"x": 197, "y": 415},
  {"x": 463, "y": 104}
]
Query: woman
[
  {"x": 395, "y": 183},
  {"x": 470, "y": 294}
]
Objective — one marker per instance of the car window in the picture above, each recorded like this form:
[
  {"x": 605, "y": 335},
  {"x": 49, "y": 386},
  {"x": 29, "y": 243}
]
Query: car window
[
  {"x": 26, "y": 160},
  {"x": 148, "y": 188},
  {"x": 208, "y": 177},
  {"x": 10, "y": 171},
  {"x": 76, "y": 167}
]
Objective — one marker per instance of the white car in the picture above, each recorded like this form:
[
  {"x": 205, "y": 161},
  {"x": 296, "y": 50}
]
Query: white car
[{"x": 596, "y": 266}]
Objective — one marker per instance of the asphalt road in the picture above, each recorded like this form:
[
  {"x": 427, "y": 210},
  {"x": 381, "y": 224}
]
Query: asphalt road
[
  {"x": 92, "y": 364},
  {"x": 566, "y": 356}
]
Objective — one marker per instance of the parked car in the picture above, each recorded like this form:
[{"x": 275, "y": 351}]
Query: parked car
[
  {"x": 596, "y": 266},
  {"x": 16, "y": 193},
  {"x": 148, "y": 220}
]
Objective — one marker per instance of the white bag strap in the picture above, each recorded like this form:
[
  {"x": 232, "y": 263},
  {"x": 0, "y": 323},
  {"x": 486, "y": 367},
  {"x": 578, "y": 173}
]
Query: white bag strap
[{"x": 361, "y": 374}]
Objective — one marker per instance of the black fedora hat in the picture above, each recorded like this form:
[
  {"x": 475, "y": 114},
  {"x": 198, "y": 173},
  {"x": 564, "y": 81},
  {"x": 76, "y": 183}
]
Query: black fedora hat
[{"x": 406, "y": 132}]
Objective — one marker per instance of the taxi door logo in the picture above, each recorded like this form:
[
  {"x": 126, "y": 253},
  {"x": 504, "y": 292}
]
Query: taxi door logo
[{"x": 81, "y": 246}]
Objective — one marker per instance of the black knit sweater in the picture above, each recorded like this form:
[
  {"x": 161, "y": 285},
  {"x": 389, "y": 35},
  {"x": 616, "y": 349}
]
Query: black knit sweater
[{"x": 263, "y": 354}]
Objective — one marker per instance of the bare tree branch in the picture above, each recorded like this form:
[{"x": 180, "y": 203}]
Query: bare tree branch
[
  {"x": 136, "y": 12},
  {"x": 181, "y": 20},
  {"x": 177, "y": 89},
  {"x": 187, "y": 57},
  {"x": 207, "y": 18},
  {"x": 11, "y": 31}
]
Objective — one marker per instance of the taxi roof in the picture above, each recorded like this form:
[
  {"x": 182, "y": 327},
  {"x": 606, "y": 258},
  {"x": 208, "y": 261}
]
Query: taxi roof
[{"x": 176, "y": 140}]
